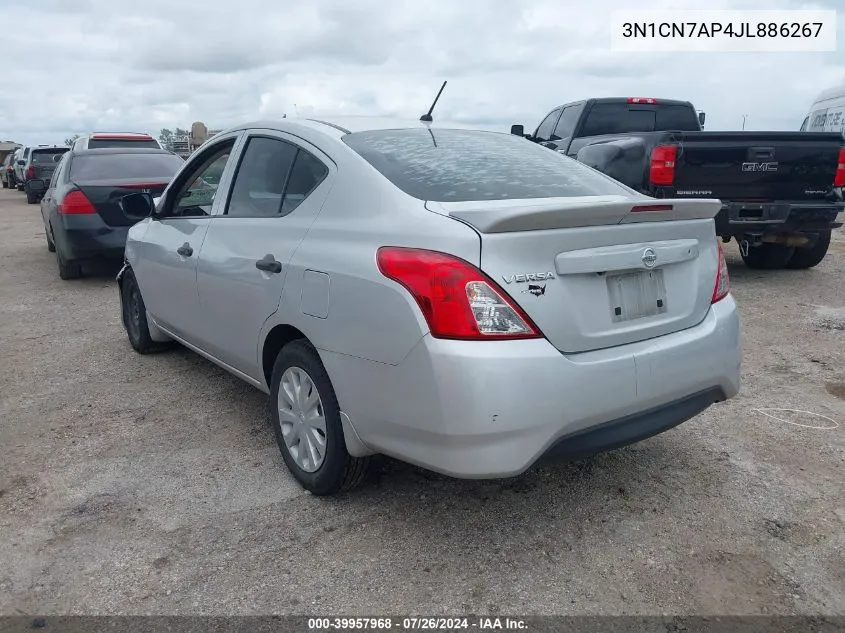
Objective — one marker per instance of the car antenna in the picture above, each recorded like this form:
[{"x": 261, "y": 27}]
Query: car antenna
[{"x": 426, "y": 118}]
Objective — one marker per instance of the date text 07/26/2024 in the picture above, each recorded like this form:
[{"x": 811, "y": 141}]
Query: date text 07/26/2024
[{"x": 417, "y": 623}]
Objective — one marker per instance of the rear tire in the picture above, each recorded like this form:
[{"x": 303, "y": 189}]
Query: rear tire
[
  {"x": 67, "y": 270},
  {"x": 768, "y": 256},
  {"x": 31, "y": 198},
  {"x": 5, "y": 185},
  {"x": 134, "y": 314},
  {"x": 50, "y": 246},
  {"x": 809, "y": 257},
  {"x": 338, "y": 471},
  {"x": 19, "y": 186}
]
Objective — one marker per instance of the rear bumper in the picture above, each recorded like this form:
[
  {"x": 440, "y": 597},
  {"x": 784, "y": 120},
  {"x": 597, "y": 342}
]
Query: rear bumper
[
  {"x": 86, "y": 237},
  {"x": 737, "y": 218},
  {"x": 493, "y": 409}
]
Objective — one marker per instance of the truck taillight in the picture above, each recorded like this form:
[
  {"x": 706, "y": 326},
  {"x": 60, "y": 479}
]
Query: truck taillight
[
  {"x": 723, "y": 281},
  {"x": 30, "y": 172},
  {"x": 839, "y": 179},
  {"x": 457, "y": 300},
  {"x": 662, "y": 169},
  {"x": 647, "y": 100}
]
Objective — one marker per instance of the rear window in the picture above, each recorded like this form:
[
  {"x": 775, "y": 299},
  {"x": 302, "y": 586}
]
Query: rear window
[
  {"x": 115, "y": 166},
  {"x": 619, "y": 118},
  {"x": 466, "y": 165},
  {"x": 41, "y": 156},
  {"x": 100, "y": 143}
]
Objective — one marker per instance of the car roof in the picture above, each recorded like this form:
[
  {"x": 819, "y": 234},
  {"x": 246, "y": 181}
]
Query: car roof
[
  {"x": 49, "y": 148},
  {"x": 337, "y": 126}
]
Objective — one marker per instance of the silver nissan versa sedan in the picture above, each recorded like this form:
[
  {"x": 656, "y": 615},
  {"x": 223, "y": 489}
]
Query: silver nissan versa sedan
[{"x": 462, "y": 300}]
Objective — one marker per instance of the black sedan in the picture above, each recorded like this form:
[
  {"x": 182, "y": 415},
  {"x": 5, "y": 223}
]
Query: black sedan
[{"x": 82, "y": 217}]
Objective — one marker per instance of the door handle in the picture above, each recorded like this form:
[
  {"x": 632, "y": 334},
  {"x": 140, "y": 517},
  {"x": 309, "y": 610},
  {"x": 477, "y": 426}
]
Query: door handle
[
  {"x": 269, "y": 264},
  {"x": 185, "y": 250}
]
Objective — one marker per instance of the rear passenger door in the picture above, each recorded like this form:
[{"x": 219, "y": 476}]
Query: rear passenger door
[{"x": 278, "y": 189}]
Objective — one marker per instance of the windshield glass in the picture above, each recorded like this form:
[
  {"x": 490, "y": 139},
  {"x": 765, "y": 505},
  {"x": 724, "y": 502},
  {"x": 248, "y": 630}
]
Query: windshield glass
[
  {"x": 41, "y": 156},
  {"x": 129, "y": 166}
]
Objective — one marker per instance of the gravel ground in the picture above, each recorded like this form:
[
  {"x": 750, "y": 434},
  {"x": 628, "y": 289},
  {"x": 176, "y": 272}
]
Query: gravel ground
[{"x": 153, "y": 485}]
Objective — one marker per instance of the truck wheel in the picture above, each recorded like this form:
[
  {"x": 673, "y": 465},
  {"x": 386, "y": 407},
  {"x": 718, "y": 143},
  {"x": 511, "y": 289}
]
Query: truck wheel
[
  {"x": 768, "y": 256},
  {"x": 809, "y": 257}
]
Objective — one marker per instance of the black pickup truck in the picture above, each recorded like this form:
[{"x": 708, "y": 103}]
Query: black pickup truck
[{"x": 780, "y": 191}]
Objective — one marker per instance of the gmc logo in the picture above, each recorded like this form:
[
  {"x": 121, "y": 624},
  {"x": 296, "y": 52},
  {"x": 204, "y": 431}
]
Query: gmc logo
[{"x": 759, "y": 166}]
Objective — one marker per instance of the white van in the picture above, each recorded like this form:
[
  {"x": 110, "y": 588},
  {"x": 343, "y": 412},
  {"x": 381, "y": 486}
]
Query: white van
[{"x": 827, "y": 113}]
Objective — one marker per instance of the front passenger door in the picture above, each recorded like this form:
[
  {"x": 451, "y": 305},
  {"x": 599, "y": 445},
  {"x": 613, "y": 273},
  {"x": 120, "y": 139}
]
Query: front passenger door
[{"x": 166, "y": 265}]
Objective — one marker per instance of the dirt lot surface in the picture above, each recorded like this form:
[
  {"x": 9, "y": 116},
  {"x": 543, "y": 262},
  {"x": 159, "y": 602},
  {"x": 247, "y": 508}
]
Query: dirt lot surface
[{"x": 135, "y": 484}]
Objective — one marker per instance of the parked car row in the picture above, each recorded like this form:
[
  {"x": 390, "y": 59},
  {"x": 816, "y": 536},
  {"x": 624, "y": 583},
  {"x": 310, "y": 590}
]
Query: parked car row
[
  {"x": 395, "y": 287},
  {"x": 29, "y": 167}
]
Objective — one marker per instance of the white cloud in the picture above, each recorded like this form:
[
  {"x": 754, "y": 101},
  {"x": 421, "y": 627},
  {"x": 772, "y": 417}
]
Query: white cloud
[{"x": 126, "y": 65}]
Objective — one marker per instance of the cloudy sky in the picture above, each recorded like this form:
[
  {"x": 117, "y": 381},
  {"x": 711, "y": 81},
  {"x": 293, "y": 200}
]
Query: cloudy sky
[{"x": 140, "y": 65}]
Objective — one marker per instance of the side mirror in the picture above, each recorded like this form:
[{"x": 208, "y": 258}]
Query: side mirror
[
  {"x": 57, "y": 157},
  {"x": 518, "y": 130},
  {"x": 701, "y": 117},
  {"x": 137, "y": 206}
]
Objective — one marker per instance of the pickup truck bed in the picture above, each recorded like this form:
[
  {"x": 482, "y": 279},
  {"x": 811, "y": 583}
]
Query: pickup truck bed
[{"x": 778, "y": 190}]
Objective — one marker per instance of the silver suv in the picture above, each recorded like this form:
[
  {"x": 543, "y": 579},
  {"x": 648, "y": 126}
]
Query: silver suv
[{"x": 466, "y": 301}]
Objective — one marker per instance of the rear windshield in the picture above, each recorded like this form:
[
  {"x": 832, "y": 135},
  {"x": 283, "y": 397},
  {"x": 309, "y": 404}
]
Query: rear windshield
[
  {"x": 41, "y": 156},
  {"x": 116, "y": 166},
  {"x": 618, "y": 118},
  {"x": 467, "y": 165},
  {"x": 100, "y": 143}
]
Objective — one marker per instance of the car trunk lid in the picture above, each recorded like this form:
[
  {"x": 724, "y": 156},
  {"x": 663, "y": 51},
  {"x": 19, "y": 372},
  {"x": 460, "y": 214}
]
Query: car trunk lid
[
  {"x": 43, "y": 163},
  {"x": 597, "y": 272},
  {"x": 105, "y": 195}
]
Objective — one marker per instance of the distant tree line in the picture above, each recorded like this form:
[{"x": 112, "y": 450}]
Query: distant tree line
[{"x": 167, "y": 137}]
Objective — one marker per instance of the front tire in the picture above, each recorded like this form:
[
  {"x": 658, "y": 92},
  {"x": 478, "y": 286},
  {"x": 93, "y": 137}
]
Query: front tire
[
  {"x": 809, "y": 257},
  {"x": 306, "y": 421},
  {"x": 768, "y": 256},
  {"x": 134, "y": 314}
]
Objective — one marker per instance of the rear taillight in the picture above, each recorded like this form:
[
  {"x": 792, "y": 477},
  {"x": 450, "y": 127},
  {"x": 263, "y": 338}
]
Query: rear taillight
[
  {"x": 723, "y": 281},
  {"x": 662, "y": 169},
  {"x": 30, "y": 172},
  {"x": 458, "y": 300},
  {"x": 839, "y": 179},
  {"x": 76, "y": 203}
]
